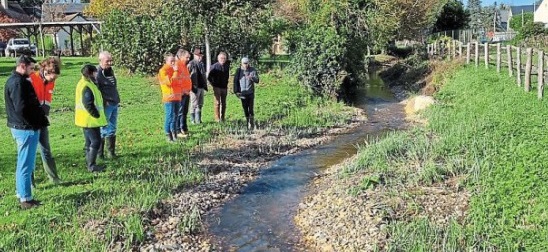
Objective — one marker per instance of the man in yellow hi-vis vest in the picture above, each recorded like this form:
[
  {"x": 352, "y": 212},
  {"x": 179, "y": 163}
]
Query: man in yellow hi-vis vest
[{"x": 90, "y": 115}]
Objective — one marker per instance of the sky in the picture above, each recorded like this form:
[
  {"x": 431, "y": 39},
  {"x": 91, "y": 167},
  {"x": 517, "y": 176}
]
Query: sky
[{"x": 509, "y": 2}]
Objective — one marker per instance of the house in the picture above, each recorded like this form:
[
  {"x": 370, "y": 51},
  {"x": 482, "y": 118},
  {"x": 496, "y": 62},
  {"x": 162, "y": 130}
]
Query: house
[
  {"x": 63, "y": 12},
  {"x": 504, "y": 16},
  {"x": 521, "y": 9},
  {"x": 541, "y": 14}
]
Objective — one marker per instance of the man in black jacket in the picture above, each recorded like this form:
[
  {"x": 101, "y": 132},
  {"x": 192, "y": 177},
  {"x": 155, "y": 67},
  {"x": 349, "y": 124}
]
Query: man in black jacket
[
  {"x": 218, "y": 77},
  {"x": 25, "y": 117},
  {"x": 199, "y": 86},
  {"x": 107, "y": 83}
]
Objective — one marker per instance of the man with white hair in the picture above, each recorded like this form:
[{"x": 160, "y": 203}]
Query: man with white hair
[{"x": 106, "y": 82}]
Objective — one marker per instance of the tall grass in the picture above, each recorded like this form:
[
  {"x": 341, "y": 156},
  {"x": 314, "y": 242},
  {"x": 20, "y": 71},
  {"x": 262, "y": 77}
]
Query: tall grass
[
  {"x": 492, "y": 134},
  {"x": 92, "y": 211}
]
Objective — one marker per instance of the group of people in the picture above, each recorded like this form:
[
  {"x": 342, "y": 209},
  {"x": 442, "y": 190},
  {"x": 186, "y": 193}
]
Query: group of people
[
  {"x": 28, "y": 95},
  {"x": 183, "y": 83}
]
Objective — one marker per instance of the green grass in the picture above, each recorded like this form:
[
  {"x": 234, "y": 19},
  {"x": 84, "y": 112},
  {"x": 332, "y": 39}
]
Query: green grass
[
  {"x": 149, "y": 168},
  {"x": 493, "y": 135}
]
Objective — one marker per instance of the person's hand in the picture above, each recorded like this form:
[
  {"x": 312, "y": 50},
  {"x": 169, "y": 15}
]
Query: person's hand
[
  {"x": 238, "y": 94},
  {"x": 175, "y": 68}
]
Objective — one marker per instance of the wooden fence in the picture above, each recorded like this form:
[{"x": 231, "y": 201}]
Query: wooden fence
[{"x": 526, "y": 64}]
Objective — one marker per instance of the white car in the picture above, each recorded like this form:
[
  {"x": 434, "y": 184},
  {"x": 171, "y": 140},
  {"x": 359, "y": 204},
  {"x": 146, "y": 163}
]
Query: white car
[{"x": 19, "y": 46}]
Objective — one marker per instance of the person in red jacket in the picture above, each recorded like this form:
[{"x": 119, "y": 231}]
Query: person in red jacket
[{"x": 43, "y": 82}]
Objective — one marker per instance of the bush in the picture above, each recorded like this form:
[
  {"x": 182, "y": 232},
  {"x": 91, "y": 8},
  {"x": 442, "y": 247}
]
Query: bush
[{"x": 318, "y": 57}]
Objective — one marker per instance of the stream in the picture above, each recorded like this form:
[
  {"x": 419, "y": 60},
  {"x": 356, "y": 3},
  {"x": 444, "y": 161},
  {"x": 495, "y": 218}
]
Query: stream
[{"x": 261, "y": 218}]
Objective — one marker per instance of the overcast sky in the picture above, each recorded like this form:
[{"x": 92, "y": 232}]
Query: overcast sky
[{"x": 509, "y": 2}]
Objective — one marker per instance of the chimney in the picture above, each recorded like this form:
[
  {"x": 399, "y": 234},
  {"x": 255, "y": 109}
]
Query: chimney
[{"x": 4, "y": 4}]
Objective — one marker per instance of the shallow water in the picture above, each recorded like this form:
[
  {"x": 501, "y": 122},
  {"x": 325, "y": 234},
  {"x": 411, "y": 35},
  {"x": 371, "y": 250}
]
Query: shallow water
[{"x": 261, "y": 218}]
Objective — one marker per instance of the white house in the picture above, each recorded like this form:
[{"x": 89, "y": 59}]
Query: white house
[{"x": 541, "y": 14}]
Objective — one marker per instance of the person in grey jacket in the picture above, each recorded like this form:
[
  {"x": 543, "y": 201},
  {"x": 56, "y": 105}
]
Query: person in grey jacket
[
  {"x": 245, "y": 79},
  {"x": 107, "y": 84}
]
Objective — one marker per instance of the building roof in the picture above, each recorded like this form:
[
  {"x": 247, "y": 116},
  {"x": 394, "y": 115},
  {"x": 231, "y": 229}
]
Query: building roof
[
  {"x": 66, "y": 8},
  {"x": 517, "y": 10},
  {"x": 60, "y": 11},
  {"x": 15, "y": 12}
]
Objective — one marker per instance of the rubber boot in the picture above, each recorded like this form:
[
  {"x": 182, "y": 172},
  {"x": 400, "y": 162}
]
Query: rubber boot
[
  {"x": 247, "y": 121},
  {"x": 252, "y": 123},
  {"x": 51, "y": 169},
  {"x": 169, "y": 138},
  {"x": 102, "y": 149},
  {"x": 91, "y": 159},
  {"x": 198, "y": 118},
  {"x": 111, "y": 147}
]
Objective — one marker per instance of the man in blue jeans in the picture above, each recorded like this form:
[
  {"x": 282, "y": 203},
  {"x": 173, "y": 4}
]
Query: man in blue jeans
[
  {"x": 25, "y": 117},
  {"x": 106, "y": 81}
]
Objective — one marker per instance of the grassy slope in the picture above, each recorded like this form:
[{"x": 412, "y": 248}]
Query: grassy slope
[
  {"x": 148, "y": 170},
  {"x": 491, "y": 133}
]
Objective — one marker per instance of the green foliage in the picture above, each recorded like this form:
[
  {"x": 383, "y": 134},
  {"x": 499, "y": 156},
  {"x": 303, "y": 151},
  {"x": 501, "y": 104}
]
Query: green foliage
[
  {"x": 452, "y": 17},
  {"x": 139, "y": 41},
  {"x": 331, "y": 45},
  {"x": 475, "y": 11},
  {"x": 318, "y": 59},
  {"x": 520, "y": 20}
]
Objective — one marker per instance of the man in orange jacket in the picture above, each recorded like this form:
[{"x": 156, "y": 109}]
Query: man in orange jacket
[
  {"x": 183, "y": 57},
  {"x": 43, "y": 82},
  {"x": 171, "y": 95}
]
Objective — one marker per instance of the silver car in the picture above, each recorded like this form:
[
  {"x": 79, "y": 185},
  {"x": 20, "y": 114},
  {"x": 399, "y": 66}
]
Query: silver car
[{"x": 19, "y": 46}]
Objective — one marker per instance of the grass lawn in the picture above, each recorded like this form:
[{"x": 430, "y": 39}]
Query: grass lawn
[
  {"x": 492, "y": 135},
  {"x": 149, "y": 168}
]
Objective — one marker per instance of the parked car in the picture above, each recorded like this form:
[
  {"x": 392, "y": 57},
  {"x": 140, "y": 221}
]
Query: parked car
[
  {"x": 2, "y": 48},
  {"x": 19, "y": 46}
]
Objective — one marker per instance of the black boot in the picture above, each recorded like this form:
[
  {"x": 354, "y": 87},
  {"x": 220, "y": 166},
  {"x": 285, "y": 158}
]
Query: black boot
[
  {"x": 91, "y": 158},
  {"x": 111, "y": 147},
  {"x": 169, "y": 138},
  {"x": 251, "y": 123},
  {"x": 198, "y": 118},
  {"x": 102, "y": 149}
]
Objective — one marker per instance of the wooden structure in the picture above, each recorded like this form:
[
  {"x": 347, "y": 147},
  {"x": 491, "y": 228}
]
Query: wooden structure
[{"x": 36, "y": 29}]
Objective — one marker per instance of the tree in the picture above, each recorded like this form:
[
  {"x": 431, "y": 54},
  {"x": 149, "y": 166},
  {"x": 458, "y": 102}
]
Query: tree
[
  {"x": 475, "y": 11},
  {"x": 138, "y": 40},
  {"x": 452, "y": 17},
  {"x": 521, "y": 20}
]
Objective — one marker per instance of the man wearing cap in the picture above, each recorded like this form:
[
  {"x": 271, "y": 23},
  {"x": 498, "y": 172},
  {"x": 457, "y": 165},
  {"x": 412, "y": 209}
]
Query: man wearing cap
[
  {"x": 245, "y": 79},
  {"x": 25, "y": 118},
  {"x": 199, "y": 86}
]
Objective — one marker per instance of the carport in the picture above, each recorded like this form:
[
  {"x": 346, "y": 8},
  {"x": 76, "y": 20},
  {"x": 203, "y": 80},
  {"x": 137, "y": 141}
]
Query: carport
[{"x": 36, "y": 30}]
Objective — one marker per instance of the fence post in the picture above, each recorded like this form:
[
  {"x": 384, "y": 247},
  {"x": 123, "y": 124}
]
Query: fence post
[
  {"x": 476, "y": 57},
  {"x": 498, "y": 58},
  {"x": 510, "y": 63},
  {"x": 454, "y": 47},
  {"x": 540, "y": 75},
  {"x": 518, "y": 66},
  {"x": 449, "y": 53},
  {"x": 468, "y": 51},
  {"x": 528, "y": 69},
  {"x": 486, "y": 49},
  {"x": 460, "y": 50}
]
